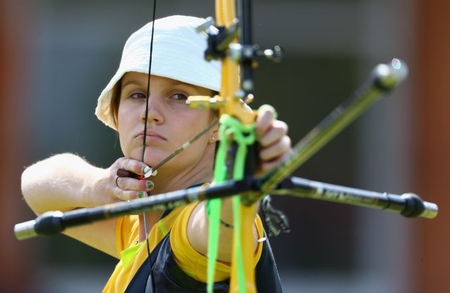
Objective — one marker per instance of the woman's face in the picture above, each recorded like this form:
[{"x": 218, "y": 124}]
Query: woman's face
[{"x": 170, "y": 122}]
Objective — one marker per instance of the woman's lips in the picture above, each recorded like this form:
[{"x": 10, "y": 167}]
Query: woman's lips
[{"x": 151, "y": 136}]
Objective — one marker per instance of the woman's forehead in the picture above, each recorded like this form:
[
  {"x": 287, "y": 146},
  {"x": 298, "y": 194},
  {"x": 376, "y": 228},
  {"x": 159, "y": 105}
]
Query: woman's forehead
[{"x": 141, "y": 79}]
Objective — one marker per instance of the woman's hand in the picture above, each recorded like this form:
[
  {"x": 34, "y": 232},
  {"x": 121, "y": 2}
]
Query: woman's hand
[
  {"x": 66, "y": 182},
  {"x": 272, "y": 137},
  {"x": 128, "y": 179}
]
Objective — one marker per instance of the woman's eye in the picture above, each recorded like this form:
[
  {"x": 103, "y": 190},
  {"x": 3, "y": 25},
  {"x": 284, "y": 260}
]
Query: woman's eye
[
  {"x": 179, "y": 97},
  {"x": 138, "y": 96}
]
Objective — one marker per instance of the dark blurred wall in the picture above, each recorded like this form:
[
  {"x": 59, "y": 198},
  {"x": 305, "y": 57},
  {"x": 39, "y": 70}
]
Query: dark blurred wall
[
  {"x": 432, "y": 174},
  {"x": 16, "y": 258}
]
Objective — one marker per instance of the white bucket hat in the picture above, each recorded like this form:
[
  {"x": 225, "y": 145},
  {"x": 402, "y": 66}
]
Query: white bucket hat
[{"x": 178, "y": 53}]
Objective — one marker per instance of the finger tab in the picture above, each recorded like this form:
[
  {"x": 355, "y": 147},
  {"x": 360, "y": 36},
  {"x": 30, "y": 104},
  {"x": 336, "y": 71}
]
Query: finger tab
[{"x": 126, "y": 173}]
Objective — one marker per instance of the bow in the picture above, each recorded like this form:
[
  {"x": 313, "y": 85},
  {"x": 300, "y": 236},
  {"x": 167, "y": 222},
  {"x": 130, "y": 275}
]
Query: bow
[{"x": 237, "y": 133}]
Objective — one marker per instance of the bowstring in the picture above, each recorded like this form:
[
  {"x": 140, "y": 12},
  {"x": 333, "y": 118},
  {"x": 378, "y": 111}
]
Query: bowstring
[{"x": 144, "y": 142}]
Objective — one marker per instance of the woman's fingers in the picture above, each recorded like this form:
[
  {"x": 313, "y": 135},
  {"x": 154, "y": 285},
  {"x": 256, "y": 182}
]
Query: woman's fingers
[
  {"x": 272, "y": 138},
  {"x": 127, "y": 167},
  {"x": 275, "y": 150},
  {"x": 129, "y": 178},
  {"x": 130, "y": 183},
  {"x": 264, "y": 120},
  {"x": 273, "y": 154},
  {"x": 273, "y": 134}
]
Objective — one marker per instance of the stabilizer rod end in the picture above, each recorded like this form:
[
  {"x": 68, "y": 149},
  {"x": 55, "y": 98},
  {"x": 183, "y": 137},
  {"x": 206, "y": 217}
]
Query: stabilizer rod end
[
  {"x": 416, "y": 207},
  {"x": 46, "y": 224}
]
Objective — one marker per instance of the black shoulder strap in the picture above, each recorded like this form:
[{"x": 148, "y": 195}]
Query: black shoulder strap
[
  {"x": 143, "y": 275},
  {"x": 267, "y": 276}
]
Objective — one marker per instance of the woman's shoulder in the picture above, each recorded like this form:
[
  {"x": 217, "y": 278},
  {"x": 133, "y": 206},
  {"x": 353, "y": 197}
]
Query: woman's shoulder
[{"x": 127, "y": 231}]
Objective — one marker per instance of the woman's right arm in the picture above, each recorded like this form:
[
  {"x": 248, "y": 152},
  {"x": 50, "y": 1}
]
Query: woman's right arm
[{"x": 66, "y": 182}]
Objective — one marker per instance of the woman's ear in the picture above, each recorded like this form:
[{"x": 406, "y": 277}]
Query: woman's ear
[{"x": 214, "y": 136}]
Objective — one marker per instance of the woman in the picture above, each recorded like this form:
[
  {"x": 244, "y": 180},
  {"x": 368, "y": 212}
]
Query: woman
[{"x": 177, "y": 238}]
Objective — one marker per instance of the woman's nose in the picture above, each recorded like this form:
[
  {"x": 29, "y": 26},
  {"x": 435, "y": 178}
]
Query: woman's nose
[{"x": 152, "y": 110}]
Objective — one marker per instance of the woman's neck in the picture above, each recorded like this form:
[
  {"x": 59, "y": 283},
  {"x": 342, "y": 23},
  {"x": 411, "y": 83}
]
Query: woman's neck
[
  {"x": 167, "y": 182},
  {"x": 171, "y": 179},
  {"x": 151, "y": 218}
]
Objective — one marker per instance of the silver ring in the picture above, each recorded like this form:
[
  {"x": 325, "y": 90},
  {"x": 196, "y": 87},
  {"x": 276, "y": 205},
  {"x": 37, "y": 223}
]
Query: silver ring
[{"x": 117, "y": 184}]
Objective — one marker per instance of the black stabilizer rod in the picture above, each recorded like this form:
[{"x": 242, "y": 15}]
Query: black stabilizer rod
[
  {"x": 409, "y": 205},
  {"x": 55, "y": 221}
]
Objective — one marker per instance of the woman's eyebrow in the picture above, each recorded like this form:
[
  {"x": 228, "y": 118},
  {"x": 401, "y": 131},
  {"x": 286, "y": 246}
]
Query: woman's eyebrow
[
  {"x": 170, "y": 84},
  {"x": 132, "y": 82}
]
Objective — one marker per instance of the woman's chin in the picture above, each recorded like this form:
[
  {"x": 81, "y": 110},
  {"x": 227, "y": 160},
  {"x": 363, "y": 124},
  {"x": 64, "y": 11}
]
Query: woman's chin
[{"x": 153, "y": 158}]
